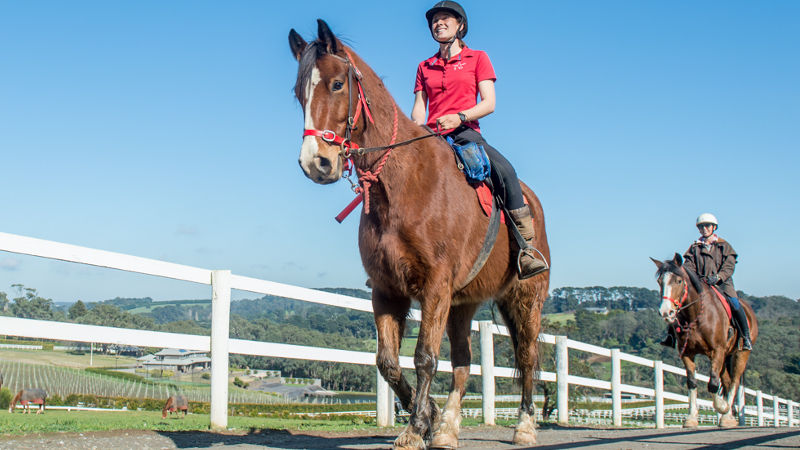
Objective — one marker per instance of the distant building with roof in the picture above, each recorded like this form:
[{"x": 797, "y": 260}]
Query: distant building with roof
[{"x": 183, "y": 361}]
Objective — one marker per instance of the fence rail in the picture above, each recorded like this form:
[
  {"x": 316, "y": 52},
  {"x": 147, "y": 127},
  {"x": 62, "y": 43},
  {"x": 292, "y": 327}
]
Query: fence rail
[{"x": 220, "y": 345}]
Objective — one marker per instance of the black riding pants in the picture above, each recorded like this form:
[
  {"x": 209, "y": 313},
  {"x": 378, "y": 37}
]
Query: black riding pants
[{"x": 503, "y": 174}]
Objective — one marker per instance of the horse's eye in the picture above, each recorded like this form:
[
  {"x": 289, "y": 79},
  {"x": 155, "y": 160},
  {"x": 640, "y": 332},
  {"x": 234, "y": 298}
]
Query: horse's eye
[{"x": 337, "y": 85}]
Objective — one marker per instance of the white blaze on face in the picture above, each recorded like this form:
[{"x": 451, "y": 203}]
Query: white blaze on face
[
  {"x": 309, "y": 148},
  {"x": 667, "y": 291}
]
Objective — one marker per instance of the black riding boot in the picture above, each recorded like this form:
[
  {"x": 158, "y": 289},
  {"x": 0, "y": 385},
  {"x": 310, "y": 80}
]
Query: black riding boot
[
  {"x": 670, "y": 341},
  {"x": 741, "y": 322}
]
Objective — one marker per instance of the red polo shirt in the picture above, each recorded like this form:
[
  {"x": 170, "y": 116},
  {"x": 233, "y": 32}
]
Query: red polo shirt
[{"x": 452, "y": 86}]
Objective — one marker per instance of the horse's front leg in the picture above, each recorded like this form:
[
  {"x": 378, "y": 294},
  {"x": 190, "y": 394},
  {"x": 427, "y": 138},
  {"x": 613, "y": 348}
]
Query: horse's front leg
[
  {"x": 424, "y": 412},
  {"x": 715, "y": 382},
  {"x": 390, "y": 321},
  {"x": 691, "y": 384},
  {"x": 458, "y": 329}
]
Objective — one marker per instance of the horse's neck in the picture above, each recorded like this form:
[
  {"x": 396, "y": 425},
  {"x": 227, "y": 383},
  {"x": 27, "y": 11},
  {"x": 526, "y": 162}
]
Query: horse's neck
[
  {"x": 697, "y": 305},
  {"x": 405, "y": 167}
]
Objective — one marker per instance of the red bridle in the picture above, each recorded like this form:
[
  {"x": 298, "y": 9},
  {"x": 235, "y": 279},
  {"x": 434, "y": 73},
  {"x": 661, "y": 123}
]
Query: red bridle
[
  {"x": 362, "y": 103},
  {"x": 365, "y": 177},
  {"x": 679, "y": 304}
]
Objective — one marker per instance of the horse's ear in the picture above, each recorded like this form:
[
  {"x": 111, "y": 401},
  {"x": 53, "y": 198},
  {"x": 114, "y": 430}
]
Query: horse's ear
[
  {"x": 296, "y": 43},
  {"x": 657, "y": 262},
  {"x": 325, "y": 35},
  {"x": 677, "y": 259}
]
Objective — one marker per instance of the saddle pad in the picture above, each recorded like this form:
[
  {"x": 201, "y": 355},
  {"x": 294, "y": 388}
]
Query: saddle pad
[
  {"x": 724, "y": 301},
  {"x": 485, "y": 199}
]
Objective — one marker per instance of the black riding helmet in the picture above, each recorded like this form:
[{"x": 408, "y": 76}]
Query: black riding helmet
[{"x": 451, "y": 7}]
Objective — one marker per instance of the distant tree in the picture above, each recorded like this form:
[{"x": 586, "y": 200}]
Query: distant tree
[
  {"x": 78, "y": 309},
  {"x": 3, "y": 301},
  {"x": 30, "y": 306}
]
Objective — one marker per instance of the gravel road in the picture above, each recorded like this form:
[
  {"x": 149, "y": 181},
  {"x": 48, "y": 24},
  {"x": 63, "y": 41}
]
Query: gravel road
[{"x": 550, "y": 437}]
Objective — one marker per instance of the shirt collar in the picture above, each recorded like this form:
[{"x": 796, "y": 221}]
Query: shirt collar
[{"x": 435, "y": 60}]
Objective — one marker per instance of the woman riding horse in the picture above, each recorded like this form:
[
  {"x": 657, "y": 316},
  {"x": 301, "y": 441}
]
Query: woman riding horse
[
  {"x": 714, "y": 260},
  {"x": 448, "y": 83}
]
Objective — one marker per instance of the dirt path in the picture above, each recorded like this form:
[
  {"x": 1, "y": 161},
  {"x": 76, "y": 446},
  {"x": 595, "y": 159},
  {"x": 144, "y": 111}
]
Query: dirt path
[{"x": 471, "y": 438}]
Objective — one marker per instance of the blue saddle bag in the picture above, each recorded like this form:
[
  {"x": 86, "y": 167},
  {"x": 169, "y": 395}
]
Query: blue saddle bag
[{"x": 472, "y": 160}]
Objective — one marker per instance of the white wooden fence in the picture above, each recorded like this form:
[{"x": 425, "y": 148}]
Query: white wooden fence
[{"x": 220, "y": 345}]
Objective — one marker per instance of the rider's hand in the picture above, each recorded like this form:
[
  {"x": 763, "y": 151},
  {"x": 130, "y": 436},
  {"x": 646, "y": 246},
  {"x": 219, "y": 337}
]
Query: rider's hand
[
  {"x": 448, "y": 121},
  {"x": 713, "y": 280}
]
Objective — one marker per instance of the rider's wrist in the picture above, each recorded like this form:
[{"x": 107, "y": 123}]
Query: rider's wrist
[{"x": 462, "y": 117}]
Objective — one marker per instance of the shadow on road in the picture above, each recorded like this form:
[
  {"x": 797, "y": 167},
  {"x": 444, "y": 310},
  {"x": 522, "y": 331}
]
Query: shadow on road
[{"x": 279, "y": 438}]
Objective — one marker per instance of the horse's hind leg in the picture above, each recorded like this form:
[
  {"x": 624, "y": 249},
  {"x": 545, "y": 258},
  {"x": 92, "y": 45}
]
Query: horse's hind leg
[
  {"x": 730, "y": 380},
  {"x": 390, "y": 321},
  {"x": 521, "y": 309},
  {"x": 458, "y": 329}
]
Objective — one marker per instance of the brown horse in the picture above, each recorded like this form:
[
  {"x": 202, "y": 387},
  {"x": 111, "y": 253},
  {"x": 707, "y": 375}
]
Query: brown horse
[
  {"x": 421, "y": 230},
  {"x": 28, "y": 396},
  {"x": 175, "y": 403},
  {"x": 690, "y": 305}
]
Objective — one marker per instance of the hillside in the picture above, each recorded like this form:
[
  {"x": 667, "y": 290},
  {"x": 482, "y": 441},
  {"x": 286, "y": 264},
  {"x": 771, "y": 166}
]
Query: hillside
[{"x": 631, "y": 324}]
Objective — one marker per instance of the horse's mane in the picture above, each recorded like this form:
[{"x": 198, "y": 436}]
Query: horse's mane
[{"x": 672, "y": 267}]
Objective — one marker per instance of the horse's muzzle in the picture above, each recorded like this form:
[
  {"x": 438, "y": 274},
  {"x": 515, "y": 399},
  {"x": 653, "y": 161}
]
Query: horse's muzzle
[{"x": 322, "y": 170}]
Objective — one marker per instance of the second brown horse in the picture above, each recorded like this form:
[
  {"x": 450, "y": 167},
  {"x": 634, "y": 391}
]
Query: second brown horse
[{"x": 691, "y": 305}]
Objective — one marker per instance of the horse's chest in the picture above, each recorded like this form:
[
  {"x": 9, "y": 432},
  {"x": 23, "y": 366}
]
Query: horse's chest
[{"x": 397, "y": 259}]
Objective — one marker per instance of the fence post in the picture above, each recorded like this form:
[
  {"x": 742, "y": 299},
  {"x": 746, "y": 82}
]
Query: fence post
[
  {"x": 487, "y": 370},
  {"x": 616, "y": 387},
  {"x": 659, "y": 388},
  {"x": 776, "y": 411},
  {"x": 220, "y": 331},
  {"x": 385, "y": 405},
  {"x": 740, "y": 402},
  {"x": 760, "y": 407},
  {"x": 562, "y": 372}
]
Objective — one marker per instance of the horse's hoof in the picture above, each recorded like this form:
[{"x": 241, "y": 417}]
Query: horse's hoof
[
  {"x": 525, "y": 433},
  {"x": 524, "y": 437},
  {"x": 727, "y": 422},
  {"x": 408, "y": 440},
  {"x": 691, "y": 423},
  {"x": 720, "y": 405},
  {"x": 447, "y": 441}
]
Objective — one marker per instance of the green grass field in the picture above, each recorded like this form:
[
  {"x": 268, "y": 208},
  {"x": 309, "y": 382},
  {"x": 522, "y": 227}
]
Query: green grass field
[
  {"x": 560, "y": 318},
  {"x": 65, "y": 359},
  {"x": 79, "y": 421}
]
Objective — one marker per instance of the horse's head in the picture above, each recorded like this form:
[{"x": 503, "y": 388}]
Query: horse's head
[
  {"x": 328, "y": 87},
  {"x": 674, "y": 281}
]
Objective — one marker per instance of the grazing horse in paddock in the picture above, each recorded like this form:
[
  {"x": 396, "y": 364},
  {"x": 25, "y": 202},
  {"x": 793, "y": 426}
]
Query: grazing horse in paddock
[
  {"x": 28, "y": 396},
  {"x": 421, "y": 231},
  {"x": 175, "y": 403},
  {"x": 704, "y": 328}
]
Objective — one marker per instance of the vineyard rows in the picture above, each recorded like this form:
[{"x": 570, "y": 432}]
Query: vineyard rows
[{"x": 63, "y": 381}]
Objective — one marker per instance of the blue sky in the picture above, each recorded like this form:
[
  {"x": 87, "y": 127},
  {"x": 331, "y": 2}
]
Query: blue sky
[{"x": 169, "y": 130}]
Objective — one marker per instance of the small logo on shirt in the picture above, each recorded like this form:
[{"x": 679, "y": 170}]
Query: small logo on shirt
[{"x": 459, "y": 65}]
